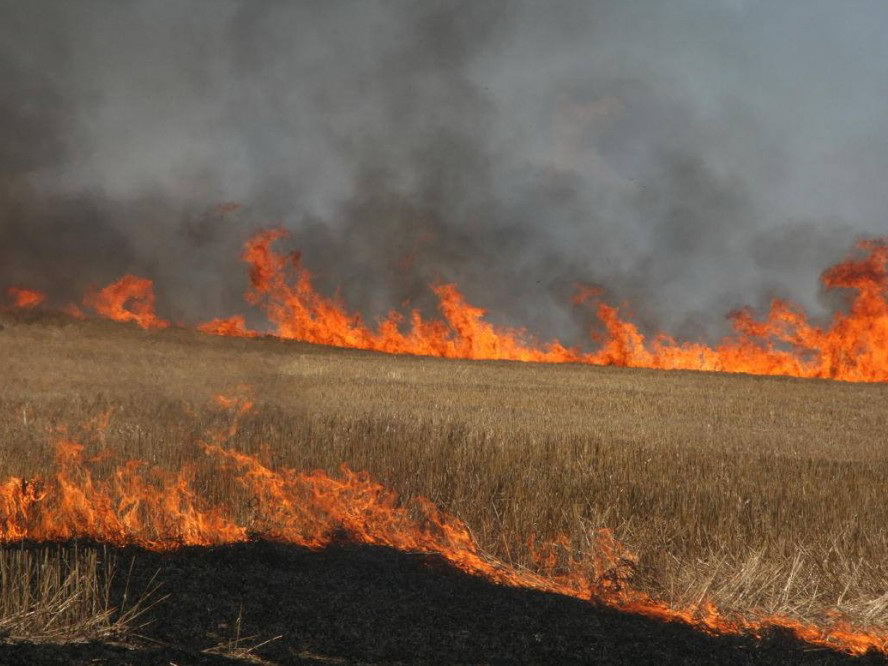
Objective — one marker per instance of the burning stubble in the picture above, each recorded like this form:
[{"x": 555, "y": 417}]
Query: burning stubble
[
  {"x": 762, "y": 509},
  {"x": 463, "y": 158},
  {"x": 852, "y": 346}
]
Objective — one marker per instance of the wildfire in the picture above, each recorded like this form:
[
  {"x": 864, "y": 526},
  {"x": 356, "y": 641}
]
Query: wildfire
[
  {"x": 135, "y": 503},
  {"x": 853, "y": 346},
  {"x": 25, "y": 298},
  {"x": 131, "y": 298}
]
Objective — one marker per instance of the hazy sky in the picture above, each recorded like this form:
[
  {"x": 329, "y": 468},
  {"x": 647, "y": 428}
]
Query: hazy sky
[{"x": 690, "y": 156}]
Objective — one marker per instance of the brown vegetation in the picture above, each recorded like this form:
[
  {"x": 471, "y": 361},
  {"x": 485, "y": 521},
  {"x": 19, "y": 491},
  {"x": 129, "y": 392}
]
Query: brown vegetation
[
  {"x": 60, "y": 593},
  {"x": 762, "y": 494}
]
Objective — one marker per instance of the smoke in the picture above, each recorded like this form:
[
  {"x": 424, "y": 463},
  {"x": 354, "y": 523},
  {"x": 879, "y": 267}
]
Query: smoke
[{"x": 690, "y": 157}]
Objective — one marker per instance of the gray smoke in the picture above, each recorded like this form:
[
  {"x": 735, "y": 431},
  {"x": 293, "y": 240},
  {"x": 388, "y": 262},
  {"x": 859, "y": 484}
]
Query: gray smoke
[{"x": 690, "y": 157}]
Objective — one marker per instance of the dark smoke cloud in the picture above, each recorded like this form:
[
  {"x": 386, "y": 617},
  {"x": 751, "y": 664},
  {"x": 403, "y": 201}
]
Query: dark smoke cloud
[{"x": 690, "y": 156}]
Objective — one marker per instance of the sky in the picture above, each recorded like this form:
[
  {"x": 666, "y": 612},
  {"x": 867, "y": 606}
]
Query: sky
[{"x": 689, "y": 157}]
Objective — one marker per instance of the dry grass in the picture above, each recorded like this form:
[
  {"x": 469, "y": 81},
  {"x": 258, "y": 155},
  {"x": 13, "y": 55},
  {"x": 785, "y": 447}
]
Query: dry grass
[
  {"x": 756, "y": 493},
  {"x": 58, "y": 593}
]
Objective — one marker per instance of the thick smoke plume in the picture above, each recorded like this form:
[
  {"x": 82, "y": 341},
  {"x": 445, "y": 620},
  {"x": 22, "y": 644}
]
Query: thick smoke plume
[{"x": 690, "y": 156}]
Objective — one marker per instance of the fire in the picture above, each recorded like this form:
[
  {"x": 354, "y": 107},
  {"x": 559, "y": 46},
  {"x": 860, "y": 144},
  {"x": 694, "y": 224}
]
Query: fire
[
  {"x": 282, "y": 287},
  {"x": 233, "y": 326},
  {"x": 852, "y": 346},
  {"x": 130, "y": 298},
  {"x": 137, "y": 504},
  {"x": 25, "y": 298}
]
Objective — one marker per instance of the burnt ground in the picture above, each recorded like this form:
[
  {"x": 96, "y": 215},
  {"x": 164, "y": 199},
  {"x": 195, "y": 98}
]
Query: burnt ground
[{"x": 358, "y": 604}]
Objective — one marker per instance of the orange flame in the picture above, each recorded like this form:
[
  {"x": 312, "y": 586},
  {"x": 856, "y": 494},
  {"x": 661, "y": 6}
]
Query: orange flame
[
  {"x": 853, "y": 347},
  {"x": 163, "y": 510},
  {"x": 24, "y": 299},
  {"x": 282, "y": 287},
  {"x": 131, "y": 298},
  {"x": 233, "y": 326}
]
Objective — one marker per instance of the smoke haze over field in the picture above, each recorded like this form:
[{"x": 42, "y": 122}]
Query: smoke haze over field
[{"x": 690, "y": 156}]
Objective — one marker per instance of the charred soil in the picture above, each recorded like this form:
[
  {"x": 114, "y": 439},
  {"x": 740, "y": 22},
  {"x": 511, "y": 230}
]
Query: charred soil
[{"x": 359, "y": 604}]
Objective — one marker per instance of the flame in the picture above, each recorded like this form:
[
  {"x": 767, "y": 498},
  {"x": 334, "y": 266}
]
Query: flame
[
  {"x": 233, "y": 326},
  {"x": 137, "y": 504},
  {"x": 282, "y": 287},
  {"x": 25, "y": 298},
  {"x": 853, "y": 346},
  {"x": 130, "y": 298}
]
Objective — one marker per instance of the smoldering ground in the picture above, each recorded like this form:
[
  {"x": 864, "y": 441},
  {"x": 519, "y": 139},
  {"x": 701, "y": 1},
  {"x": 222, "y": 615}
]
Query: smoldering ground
[{"x": 690, "y": 157}]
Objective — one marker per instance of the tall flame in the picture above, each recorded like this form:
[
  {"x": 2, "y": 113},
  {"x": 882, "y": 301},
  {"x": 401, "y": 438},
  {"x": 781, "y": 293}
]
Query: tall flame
[
  {"x": 853, "y": 346},
  {"x": 135, "y": 503}
]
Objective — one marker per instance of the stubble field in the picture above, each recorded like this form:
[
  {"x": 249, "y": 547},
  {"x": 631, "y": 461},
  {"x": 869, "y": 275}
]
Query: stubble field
[{"x": 762, "y": 495}]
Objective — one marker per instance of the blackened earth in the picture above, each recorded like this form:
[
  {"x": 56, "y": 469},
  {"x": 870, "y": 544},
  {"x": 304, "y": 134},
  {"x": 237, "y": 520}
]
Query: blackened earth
[{"x": 372, "y": 605}]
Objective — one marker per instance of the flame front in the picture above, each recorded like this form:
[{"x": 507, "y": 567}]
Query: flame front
[
  {"x": 853, "y": 346},
  {"x": 157, "y": 509}
]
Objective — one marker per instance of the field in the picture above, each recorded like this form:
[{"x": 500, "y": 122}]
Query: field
[{"x": 762, "y": 495}]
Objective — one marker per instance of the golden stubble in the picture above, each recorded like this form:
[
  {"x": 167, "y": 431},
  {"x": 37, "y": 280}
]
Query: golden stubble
[{"x": 757, "y": 493}]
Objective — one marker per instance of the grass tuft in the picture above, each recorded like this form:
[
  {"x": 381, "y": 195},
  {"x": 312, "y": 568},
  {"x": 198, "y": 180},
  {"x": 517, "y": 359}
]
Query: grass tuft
[{"x": 61, "y": 593}]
